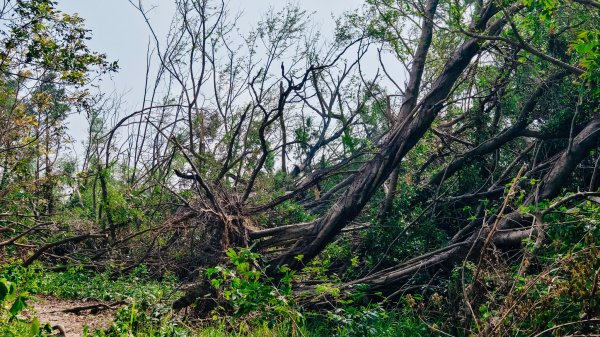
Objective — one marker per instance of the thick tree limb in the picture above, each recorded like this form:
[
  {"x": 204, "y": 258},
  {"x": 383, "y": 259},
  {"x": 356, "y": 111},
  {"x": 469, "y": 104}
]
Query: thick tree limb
[
  {"x": 550, "y": 187},
  {"x": 501, "y": 139},
  {"x": 401, "y": 139},
  {"x": 45, "y": 248}
]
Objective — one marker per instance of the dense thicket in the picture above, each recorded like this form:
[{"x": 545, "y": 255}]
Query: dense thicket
[{"x": 440, "y": 148}]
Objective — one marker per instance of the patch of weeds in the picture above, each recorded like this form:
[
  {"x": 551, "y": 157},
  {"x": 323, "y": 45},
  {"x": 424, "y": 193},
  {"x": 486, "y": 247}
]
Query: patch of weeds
[
  {"x": 82, "y": 284},
  {"x": 143, "y": 321},
  {"x": 12, "y": 303}
]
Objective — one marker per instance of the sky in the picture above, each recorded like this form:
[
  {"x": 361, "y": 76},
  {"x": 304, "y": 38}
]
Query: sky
[{"x": 119, "y": 31}]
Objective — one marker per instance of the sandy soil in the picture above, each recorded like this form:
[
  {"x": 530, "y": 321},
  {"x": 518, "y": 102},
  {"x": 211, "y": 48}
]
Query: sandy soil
[{"x": 50, "y": 310}]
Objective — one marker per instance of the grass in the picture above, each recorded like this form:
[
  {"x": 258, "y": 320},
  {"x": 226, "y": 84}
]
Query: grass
[
  {"x": 395, "y": 325},
  {"x": 81, "y": 284},
  {"x": 149, "y": 313}
]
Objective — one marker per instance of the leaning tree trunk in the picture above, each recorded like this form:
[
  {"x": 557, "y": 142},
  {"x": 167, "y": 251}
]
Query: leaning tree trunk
[
  {"x": 415, "y": 119},
  {"x": 447, "y": 257},
  {"x": 507, "y": 135}
]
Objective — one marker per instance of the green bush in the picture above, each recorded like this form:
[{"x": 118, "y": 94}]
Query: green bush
[{"x": 12, "y": 303}]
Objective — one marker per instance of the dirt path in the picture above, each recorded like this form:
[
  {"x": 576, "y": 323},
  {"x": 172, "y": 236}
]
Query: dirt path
[{"x": 51, "y": 310}]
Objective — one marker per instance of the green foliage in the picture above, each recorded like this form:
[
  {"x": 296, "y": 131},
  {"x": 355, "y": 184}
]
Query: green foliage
[
  {"x": 587, "y": 45},
  {"x": 77, "y": 283},
  {"x": 249, "y": 292},
  {"x": 290, "y": 212},
  {"x": 376, "y": 321},
  {"x": 302, "y": 137},
  {"x": 12, "y": 303},
  {"x": 9, "y": 296},
  {"x": 261, "y": 306},
  {"x": 246, "y": 288},
  {"x": 384, "y": 244},
  {"x": 44, "y": 61},
  {"x": 546, "y": 17},
  {"x": 558, "y": 277},
  {"x": 148, "y": 315},
  {"x": 53, "y": 40},
  {"x": 144, "y": 322}
]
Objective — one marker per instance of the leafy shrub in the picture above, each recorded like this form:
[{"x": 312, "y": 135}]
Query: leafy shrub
[
  {"x": 79, "y": 283},
  {"x": 246, "y": 288},
  {"x": 12, "y": 303}
]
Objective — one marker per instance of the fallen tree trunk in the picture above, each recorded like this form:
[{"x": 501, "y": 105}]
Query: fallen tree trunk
[
  {"x": 414, "y": 122},
  {"x": 509, "y": 134},
  {"x": 504, "y": 234},
  {"x": 49, "y": 246}
]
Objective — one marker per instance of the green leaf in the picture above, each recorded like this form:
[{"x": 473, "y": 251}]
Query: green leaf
[
  {"x": 12, "y": 288},
  {"x": 18, "y": 306},
  {"x": 4, "y": 288},
  {"x": 34, "y": 329}
]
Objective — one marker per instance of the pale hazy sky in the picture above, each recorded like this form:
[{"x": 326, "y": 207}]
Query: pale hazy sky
[{"x": 119, "y": 30}]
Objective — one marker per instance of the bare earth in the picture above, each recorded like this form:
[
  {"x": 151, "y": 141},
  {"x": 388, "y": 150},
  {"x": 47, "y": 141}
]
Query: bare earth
[{"x": 50, "y": 310}]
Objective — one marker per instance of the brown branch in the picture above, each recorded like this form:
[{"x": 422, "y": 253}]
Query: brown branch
[{"x": 74, "y": 239}]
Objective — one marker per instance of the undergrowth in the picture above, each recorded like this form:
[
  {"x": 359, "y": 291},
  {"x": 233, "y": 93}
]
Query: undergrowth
[
  {"x": 255, "y": 305},
  {"x": 77, "y": 283}
]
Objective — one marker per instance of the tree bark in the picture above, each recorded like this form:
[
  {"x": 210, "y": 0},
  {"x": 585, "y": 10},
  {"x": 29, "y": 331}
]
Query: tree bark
[
  {"x": 504, "y": 137},
  {"x": 401, "y": 139},
  {"x": 388, "y": 201},
  {"x": 553, "y": 181}
]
